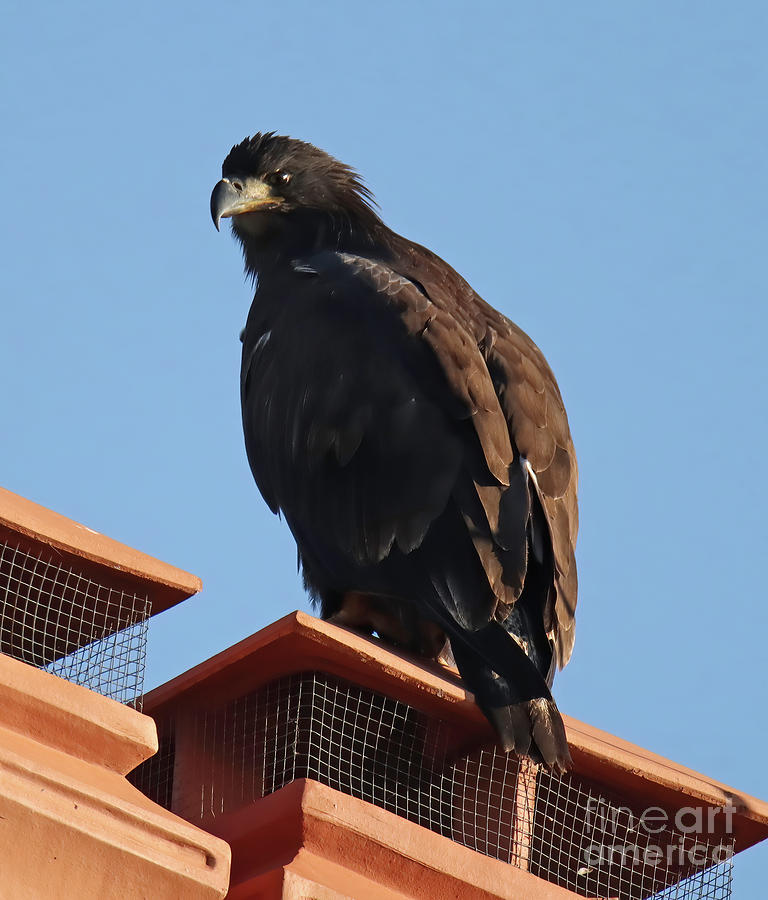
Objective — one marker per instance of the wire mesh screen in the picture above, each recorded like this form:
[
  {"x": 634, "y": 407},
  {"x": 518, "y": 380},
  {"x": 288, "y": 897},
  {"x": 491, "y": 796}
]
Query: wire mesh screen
[
  {"x": 56, "y": 618},
  {"x": 313, "y": 725}
]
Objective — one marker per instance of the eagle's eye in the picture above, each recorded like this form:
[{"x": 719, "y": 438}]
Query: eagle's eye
[{"x": 277, "y": 178}]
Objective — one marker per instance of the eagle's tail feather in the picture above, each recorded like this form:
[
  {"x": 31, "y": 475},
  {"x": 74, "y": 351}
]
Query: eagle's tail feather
[{"x": 513, "y": 694}]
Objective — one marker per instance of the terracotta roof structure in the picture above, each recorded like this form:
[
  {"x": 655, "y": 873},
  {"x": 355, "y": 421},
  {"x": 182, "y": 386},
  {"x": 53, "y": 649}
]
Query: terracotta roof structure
[
  {"x": 23, "y": 520},
  {"x": 327, "y": 764},
  {"x": 77, "y": 604},
  {"x": 321, "y": 754}
]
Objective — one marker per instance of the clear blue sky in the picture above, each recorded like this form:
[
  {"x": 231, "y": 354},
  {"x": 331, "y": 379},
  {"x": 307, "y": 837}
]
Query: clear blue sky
[{"x": 597, "y": 170}]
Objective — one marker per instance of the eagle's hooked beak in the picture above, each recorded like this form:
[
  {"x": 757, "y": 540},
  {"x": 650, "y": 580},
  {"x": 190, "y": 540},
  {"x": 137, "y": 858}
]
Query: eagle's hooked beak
[{"x": 237, "y": 196}]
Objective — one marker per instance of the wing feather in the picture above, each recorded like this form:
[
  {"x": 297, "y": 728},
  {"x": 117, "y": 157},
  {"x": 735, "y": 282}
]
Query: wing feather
[{"x": 537, "y": 422}]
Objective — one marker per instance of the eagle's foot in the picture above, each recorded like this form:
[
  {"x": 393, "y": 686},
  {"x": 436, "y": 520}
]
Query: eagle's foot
[
  {"x": 367, "y": 613},
  {"x": 392, "y": 620}
]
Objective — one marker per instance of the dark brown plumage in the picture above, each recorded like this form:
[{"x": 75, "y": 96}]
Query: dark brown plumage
[{"x": 413, "y": 437}]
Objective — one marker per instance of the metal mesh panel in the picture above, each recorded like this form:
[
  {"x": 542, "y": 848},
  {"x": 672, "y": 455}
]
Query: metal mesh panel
[
  {"x": 385, "y": 752},
  {"x": 713, "y": 883},
  {"x": 154, "y": 778},
  {"x": 56, "y": 618},
  {"x": 601, "y": 848}
]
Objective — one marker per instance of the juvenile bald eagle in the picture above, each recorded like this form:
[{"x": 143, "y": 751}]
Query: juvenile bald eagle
[{"x": 414, "y": 438}]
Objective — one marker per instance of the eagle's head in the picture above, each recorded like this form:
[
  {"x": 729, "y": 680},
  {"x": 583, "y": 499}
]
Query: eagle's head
[{"x": 286, "y": 197}]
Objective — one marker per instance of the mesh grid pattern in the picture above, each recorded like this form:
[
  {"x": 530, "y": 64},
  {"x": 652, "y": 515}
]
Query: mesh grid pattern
[
  {"x": 56, "y": 618},
  {"x": 383, "y": 751}
]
